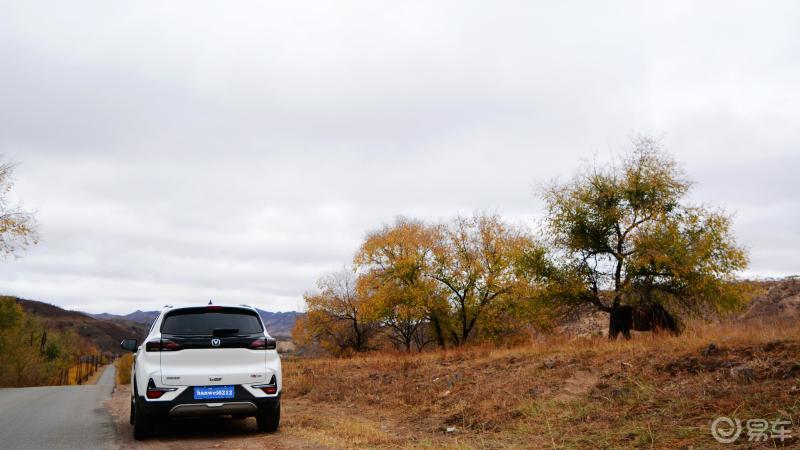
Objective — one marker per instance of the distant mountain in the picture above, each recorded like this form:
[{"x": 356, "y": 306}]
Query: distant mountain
[
  {"x": 279, "y": 324},
  {"x": 105, "y": 334},
  {"x": 143, "y": 317}
]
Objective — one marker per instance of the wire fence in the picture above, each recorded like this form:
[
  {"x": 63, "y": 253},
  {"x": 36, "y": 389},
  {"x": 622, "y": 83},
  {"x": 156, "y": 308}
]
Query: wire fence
[{"x": 78, "y": 373}]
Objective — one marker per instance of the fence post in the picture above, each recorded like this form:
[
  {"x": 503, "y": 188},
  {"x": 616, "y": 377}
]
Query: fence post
[{"x": 42, "y": 344}]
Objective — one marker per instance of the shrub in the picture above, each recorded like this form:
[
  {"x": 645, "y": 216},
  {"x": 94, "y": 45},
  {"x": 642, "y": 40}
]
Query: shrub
[{"x": 123, "y": 365}]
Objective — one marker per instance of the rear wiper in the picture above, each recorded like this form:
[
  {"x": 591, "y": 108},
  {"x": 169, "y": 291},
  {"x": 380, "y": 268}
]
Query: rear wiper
[{"x": 218, "y": 332}]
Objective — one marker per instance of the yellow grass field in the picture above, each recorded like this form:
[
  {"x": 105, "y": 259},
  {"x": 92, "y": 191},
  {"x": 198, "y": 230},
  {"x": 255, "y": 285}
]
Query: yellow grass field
[{"x": 650, "y": 392}]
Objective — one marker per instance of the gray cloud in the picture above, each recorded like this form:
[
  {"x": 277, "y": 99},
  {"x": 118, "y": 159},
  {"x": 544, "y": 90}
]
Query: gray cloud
[{"x": 185, "y": 150}]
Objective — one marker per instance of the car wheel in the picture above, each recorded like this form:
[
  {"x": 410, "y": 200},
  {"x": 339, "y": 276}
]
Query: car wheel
[
  {"x": 143, "y": 425},
  {"x": 133, "y": 402},
  {"x": 269, "y": 421}
]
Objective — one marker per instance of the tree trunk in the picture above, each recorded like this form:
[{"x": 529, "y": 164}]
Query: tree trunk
[
  {"x": 359, "y": 344},
  {"x": 463, "y": 312},
  {"x": 437, "y": 329},
  {"x": 620, "y": 320}
]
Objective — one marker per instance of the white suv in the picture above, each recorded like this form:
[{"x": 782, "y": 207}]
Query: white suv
[{"x": 206, "y": 360}]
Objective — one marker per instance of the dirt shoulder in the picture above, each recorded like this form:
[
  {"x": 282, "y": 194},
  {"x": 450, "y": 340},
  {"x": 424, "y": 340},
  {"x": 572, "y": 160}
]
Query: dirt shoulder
[{"x": 304, "y": 425}]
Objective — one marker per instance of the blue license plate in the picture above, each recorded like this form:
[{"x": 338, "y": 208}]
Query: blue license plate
[{"x": 212, "y": 392}]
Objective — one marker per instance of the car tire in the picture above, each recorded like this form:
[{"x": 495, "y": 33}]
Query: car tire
[
  {"x": 133, "y": 401},
  {"x": 143, "y": 424},
  {"x": 268, "y": 421}
]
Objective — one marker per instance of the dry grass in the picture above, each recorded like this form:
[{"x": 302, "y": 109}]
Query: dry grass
[
  {"x": 659, "y": 392},
  {"x": 123, "y": 364}
]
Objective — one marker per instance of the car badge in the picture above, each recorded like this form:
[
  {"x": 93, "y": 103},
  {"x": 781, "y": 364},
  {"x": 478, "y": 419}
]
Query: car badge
[{"x": 215, "y": 342}]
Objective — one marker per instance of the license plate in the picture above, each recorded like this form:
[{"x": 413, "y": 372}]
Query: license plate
[{"x": 212, "y": 392}]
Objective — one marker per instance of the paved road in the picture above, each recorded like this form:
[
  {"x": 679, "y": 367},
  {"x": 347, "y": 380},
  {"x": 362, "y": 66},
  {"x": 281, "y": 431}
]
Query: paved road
[{"x": 58, "y": 417}]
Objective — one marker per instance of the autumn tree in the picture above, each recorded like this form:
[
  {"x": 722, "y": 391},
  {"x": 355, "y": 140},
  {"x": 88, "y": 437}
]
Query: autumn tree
[
  {"x": 394, "y": 263},
  {"x": 624, "y": 234},
  {"x": 30, "y": 354},
  {"x": 337, "y": 317},
  {"x": 18, "y": 365},
  {"x": 476, "y": 259},
  {"x": 17, "y": 226}
]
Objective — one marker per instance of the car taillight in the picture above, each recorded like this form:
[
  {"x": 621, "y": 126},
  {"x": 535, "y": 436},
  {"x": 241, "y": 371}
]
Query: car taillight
[
  {"x": 169, "y": 346},
  {"x": 162, "y": 345},
  {"x": 263, "y": 344},
  {"x": 156, "y": 392},
  {"x": 269, "y": 388}
]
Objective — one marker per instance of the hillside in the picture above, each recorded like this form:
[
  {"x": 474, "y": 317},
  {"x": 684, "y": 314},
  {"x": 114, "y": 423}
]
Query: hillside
[
  {"x": 776, "y": 299},
  {"x": 104, "y": 334},
  {"x": 143, "y": 317},
  {"x": 279, "y": 324},
  {"x": 772, "y": 300},
  {"x": 661, "y": 392}
]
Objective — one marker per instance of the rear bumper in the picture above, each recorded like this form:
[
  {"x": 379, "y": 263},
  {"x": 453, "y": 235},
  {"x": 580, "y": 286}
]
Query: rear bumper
[
  {"x": 243, "y": 404},
  {"x": 214, "y": 409}
]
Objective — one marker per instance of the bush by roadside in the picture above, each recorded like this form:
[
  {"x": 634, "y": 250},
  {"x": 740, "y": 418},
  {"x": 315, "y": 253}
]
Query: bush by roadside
[{"x": 123, "y": 365}]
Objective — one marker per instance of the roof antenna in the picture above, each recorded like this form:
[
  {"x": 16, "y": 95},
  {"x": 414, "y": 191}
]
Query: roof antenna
[{"x": 209, "y": 301}]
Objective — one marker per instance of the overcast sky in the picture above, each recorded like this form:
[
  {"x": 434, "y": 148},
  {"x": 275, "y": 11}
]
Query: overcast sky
[{"x": 180, "y": 151}]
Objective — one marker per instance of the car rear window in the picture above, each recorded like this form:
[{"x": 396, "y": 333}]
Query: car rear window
[{"x": 203, "y": 321}]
